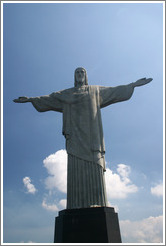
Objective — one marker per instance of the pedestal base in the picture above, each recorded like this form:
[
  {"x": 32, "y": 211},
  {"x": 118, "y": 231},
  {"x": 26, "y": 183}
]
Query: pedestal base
[{"x": 87, "y": 225}]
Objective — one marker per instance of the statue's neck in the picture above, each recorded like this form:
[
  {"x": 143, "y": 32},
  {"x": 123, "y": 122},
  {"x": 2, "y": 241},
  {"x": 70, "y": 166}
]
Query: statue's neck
[{"x": 81, "y": 88}]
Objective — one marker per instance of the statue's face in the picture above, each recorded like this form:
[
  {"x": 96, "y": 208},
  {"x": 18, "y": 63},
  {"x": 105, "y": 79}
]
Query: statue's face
[{"x": 80, "y": 76}]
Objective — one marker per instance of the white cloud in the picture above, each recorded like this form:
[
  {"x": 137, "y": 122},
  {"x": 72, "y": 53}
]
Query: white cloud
[
  {"x": 56, "y": 165},
  {"x": 63, "y": 203},
  {"x": 30, "y": 187},
  {"x": 50, "y": 207},
  {"x": 157, "y": 190},
  {"x": 124, "y": 170},
  {"x": 118, "y": 185},
  {"x": 149, "y": 230},
  {"x": 55, "y": 206}
]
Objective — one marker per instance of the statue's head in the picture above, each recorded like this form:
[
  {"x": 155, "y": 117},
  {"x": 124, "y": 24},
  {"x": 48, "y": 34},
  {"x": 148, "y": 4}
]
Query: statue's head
[{"x": 80, "y": 77}]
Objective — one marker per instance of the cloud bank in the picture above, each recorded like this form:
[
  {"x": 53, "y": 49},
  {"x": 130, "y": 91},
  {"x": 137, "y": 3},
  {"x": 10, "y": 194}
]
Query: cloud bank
[
  {"x": 56, "y": 165},
  {"x": 51, "y": 207},
  {"x": 29, "y": 186},
  {"x": 56, "y": 206},
  {"x": 119, "y": 185},
  {"x": 157, "y": 190},
  {"x": 149, "y": 230}
]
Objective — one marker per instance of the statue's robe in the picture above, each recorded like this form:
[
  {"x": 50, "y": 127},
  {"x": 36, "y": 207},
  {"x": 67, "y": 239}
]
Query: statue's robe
[{"x": 82, "y": 128}]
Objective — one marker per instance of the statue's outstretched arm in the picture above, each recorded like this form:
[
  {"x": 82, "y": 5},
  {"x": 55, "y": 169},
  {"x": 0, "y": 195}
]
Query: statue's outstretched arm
[
  {"x": 22, "y": 100},
  {"x": 109, "y": 95},
  {"x": 43, "y": 103},
  {"x": 142, "y": 81}
]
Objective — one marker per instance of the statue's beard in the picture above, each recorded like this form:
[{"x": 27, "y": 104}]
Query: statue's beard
[{"x": 80, "y": 83}]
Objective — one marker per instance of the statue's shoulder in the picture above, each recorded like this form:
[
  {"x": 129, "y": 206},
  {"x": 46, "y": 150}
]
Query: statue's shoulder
[
  {"x": 65, "y": 91},
  {"x": 94, "y": 88},
  {"x": 69, "y": 90}
]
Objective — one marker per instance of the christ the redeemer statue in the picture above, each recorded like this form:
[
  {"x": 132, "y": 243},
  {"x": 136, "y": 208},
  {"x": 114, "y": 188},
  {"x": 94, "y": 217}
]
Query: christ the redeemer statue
[{"x": 82, "y": 128}]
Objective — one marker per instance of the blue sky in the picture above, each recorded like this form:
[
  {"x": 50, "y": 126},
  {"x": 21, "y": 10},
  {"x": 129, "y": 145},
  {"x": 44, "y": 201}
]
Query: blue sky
[{"x": 117, "y": 43}]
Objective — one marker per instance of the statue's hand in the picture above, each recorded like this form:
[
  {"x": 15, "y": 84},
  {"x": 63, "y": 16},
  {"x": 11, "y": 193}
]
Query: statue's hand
[
  {"x": 142, "y": 81},
  {"x": 21, "y": 100}
]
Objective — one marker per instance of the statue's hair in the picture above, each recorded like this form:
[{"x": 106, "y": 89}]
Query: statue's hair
[{"x": 86, "y": 77}]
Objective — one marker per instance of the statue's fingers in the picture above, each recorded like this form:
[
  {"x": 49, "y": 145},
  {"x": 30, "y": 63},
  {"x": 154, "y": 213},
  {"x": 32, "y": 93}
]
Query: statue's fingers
[
  {"x": 148, "y": 80},
  {"x": 16, "y": 100}
]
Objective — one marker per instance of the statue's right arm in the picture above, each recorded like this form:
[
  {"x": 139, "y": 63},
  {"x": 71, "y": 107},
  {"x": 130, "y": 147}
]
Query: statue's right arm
[
  {"x": 22, "y": 100},
  {"x": 43, "y": 103}
]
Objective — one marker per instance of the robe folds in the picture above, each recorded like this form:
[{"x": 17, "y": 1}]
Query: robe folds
[{"x": 82, "y": 128}]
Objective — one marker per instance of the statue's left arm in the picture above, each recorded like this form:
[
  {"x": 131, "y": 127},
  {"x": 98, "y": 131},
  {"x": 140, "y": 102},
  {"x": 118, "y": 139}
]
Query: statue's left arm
[{"x": 110, "y": 95}]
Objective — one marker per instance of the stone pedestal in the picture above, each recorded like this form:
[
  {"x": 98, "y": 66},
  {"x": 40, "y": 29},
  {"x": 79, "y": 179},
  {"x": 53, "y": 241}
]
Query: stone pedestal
[{"x": 87, "y": 225}]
